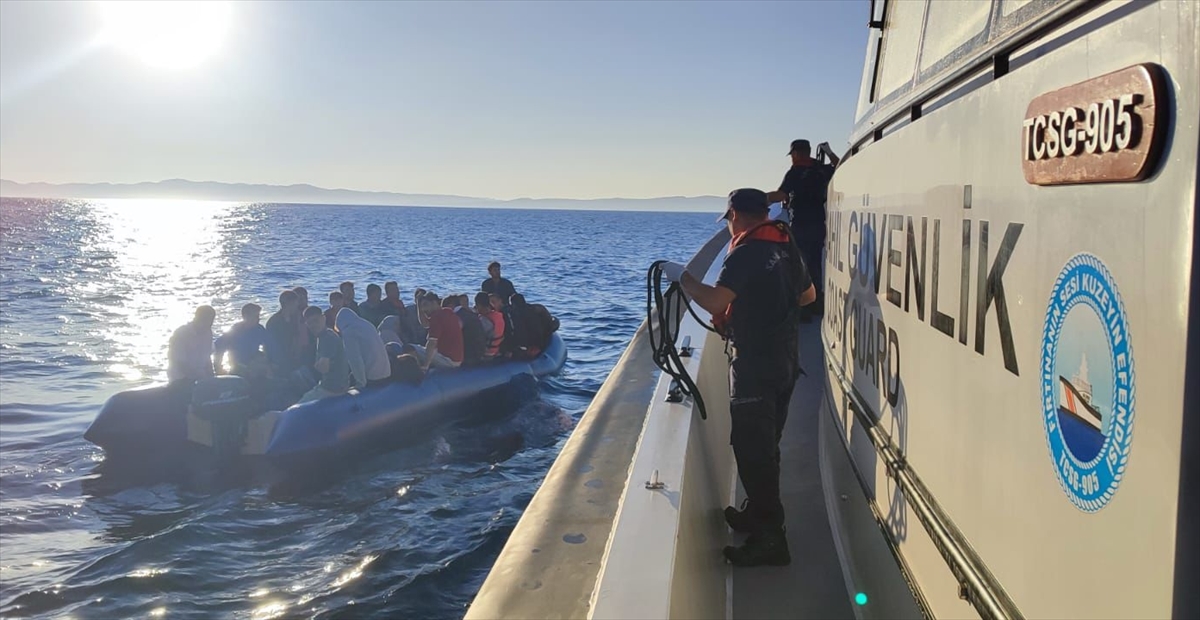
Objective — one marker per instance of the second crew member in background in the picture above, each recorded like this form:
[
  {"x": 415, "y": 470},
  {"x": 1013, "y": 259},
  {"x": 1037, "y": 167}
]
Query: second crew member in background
[{"x": 803, "y": 192}]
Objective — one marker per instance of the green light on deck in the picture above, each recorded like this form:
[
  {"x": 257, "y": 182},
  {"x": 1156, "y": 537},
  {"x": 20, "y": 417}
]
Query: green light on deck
[{"x": 861, "y": 598}]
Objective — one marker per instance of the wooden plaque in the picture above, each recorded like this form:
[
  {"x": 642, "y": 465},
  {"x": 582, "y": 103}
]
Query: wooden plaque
[{"x": 1108, "y": 129}]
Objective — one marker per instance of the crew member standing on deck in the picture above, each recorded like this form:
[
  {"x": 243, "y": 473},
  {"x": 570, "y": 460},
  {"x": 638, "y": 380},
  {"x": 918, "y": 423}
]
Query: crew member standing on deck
[
  {"x": 756, "y": 304},
  {"x": 803, "y": 192}
]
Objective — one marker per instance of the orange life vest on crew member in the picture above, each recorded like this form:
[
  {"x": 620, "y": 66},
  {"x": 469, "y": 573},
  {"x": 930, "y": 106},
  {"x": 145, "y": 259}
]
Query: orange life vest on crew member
[{"x": 774, "y": 231}]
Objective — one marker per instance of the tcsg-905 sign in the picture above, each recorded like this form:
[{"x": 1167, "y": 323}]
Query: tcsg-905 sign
[{"x": 1103, "y": 130}]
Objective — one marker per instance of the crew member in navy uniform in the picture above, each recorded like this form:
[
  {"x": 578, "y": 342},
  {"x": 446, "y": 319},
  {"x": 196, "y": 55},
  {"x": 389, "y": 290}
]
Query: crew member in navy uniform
[
  {"x": 803, "y": 193},
  {"x": 756, "y": 305}
]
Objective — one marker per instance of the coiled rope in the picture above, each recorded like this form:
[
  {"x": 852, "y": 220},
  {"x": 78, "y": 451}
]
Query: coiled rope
[{"x": 664, "y": 313}]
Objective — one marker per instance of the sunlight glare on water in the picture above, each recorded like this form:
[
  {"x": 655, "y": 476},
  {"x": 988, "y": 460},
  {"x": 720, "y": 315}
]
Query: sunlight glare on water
[{"x": 169, "y": 260}]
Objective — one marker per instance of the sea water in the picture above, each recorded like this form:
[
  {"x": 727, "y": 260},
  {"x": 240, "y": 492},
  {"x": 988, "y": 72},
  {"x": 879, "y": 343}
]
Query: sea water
[{"x": 90, "y": 292}]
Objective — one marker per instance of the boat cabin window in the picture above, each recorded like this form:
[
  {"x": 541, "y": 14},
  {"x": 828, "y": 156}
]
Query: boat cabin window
[
  {"x": 1008, "y": 7},
  {"x": 1016, "y": 13},
  {"x": 901, "y": 40},
  {"x": 952, "y": 29},
  {"x": 866, "y": 85},
  {"x": 923, "y": 40}
]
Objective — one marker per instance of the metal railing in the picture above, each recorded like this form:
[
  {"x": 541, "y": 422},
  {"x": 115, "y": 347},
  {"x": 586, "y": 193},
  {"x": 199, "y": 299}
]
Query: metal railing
[{"x": 549, "y": 566}]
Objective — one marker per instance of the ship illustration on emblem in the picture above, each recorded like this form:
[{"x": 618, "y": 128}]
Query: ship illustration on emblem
[{"x": 1087, "y": 376}]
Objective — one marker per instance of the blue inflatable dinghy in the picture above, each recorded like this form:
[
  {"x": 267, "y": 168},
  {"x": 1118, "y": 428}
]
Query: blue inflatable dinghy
[{"x": 168, "y": 421}]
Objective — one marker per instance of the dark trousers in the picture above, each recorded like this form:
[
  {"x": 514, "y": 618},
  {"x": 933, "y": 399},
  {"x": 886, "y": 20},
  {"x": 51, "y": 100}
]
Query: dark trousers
[
  {"x": 811, "y": 240},
  {"x": 758, "y": 408}
]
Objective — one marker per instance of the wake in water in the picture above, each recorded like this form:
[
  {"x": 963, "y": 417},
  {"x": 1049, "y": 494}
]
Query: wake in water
[
  {"x": 185, "y": 512},
  {"x": 537, "y": 424}
]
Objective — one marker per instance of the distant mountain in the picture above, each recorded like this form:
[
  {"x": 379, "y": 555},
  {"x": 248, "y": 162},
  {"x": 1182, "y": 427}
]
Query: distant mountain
[{"x": 176, "y": 189}]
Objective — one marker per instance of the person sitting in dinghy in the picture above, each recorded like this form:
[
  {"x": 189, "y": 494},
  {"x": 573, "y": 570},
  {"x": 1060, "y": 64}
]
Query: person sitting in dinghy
[
  {"x": 335, "y": 304},
  {"x": 373, "y": 309},
  {"x": 409, "y": 330},
  {"x": 492, "y": 321},
  {"x": 474, "y": 339},
  {"x": 285, "y": 351},
  {"x": 389, "y": 330},
  {"x": 189, "y": 354},
  {"x": 444, "y": 345},
  {"x": 330, "y": 360},
  {"x": 406, "y": 368},
  {"x": 246, "y": 343},
  {"x": 347, "y": 289},
  {"x": 365, "y": 352},
  {"x": 532, "y": 326}
]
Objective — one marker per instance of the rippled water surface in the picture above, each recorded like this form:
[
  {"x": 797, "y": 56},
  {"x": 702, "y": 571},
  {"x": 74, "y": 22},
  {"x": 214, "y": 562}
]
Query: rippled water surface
[{"x": 89, "y": 294}]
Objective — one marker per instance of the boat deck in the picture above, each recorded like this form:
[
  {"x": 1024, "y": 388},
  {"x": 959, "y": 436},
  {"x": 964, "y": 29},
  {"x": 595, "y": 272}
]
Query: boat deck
[{"x": 813, "y": 585}]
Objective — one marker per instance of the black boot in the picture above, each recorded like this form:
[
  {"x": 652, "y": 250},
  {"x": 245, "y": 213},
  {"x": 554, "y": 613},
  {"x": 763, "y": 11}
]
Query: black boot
[
  {"x": 762, "y": 549},
  {"x": 740, "y": 520}
]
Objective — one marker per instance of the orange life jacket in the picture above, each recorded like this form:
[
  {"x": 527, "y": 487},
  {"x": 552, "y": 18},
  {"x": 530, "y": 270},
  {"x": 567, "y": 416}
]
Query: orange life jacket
[{"x": 773, "y": 231}]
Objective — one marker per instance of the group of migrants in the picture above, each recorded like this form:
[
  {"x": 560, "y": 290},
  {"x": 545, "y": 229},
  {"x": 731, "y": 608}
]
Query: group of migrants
[
  {"x": 769, "y": 283},
  {"x": 325, "y": 352}
]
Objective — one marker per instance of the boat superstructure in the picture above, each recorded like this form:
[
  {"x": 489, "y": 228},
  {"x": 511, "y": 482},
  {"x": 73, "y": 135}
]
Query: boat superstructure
[
  {"x": 1013, "y": 308},
  {"x": 999, "y": 415}
]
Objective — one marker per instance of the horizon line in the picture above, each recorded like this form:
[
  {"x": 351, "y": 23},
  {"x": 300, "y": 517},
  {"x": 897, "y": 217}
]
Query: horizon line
[
  {"x": 381, "y": 206},
  {"x": 358, "y": 191}
]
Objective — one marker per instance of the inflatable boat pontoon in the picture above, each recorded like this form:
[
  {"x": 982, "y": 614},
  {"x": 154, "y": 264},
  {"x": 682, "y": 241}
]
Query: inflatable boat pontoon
[{"x": 168, "y": 421}]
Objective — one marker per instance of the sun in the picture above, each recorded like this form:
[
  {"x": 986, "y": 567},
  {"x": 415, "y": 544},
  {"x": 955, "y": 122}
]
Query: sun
[{"x": 168, "y": 34}]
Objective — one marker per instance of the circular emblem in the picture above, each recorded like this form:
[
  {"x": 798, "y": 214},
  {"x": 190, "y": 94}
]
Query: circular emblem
[{"x": 1087, "y": 383}]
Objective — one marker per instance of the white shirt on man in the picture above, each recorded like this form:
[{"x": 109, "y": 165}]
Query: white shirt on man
[{"x": 365, "y": 351}]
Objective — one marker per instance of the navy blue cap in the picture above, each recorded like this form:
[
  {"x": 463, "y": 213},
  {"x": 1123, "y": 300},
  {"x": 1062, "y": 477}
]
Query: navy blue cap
[
  {"x": 801, "y": 146},
  {"x": 747, "y": 200}
]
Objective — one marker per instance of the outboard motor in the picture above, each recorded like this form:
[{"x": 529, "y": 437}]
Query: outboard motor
[{"x": 224, "y": 404}]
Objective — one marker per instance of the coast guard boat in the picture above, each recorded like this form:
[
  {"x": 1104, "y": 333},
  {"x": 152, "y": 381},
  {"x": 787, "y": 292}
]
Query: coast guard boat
[{"x": 1000, "y": 413}]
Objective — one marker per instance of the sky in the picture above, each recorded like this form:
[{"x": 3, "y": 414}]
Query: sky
[{"x": 486, "y": 99}]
